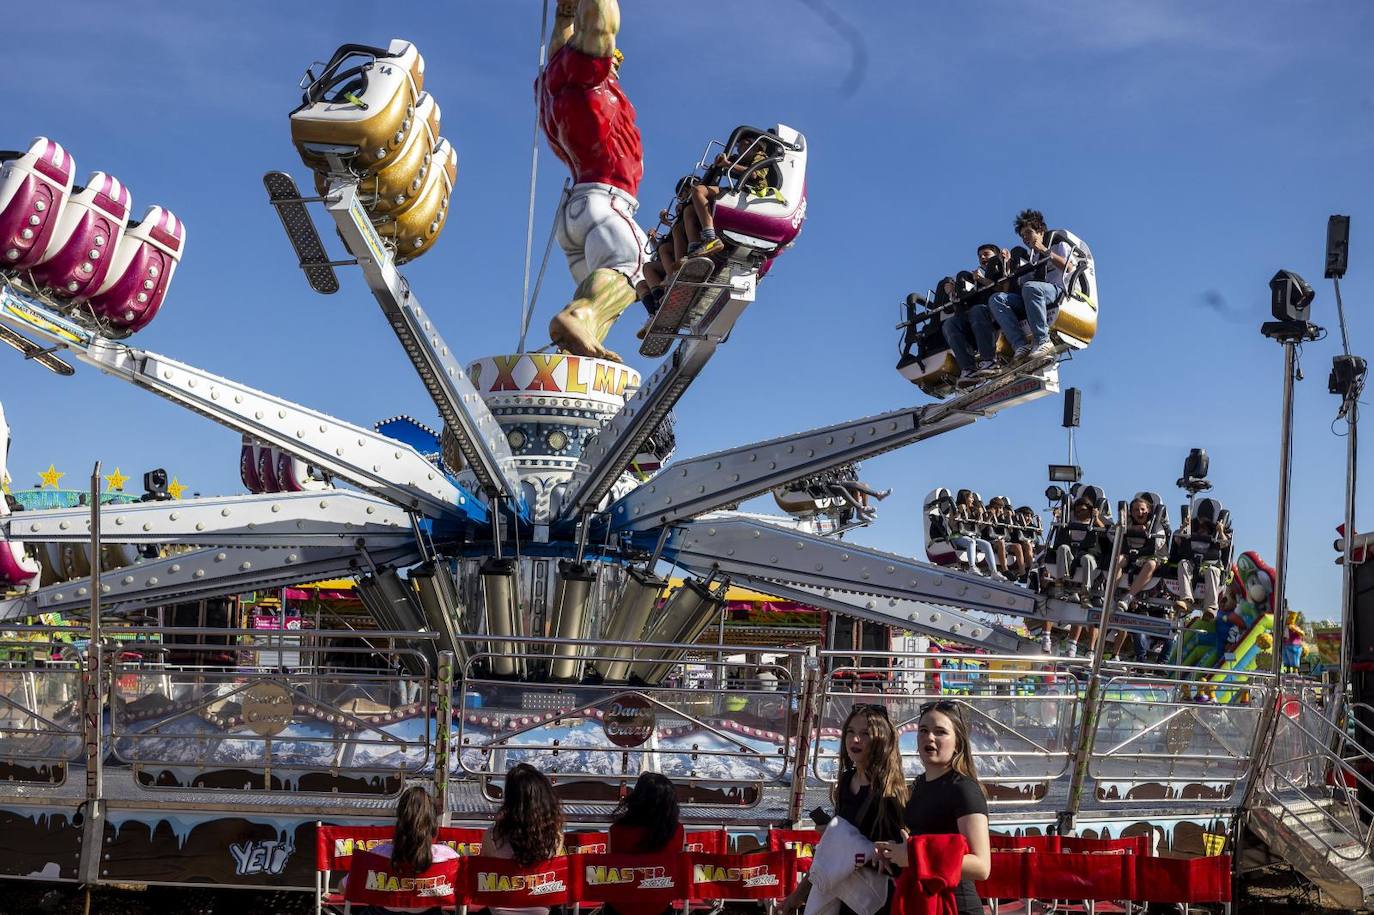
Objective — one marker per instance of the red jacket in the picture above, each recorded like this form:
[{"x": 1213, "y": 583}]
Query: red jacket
[{"x": 927, "y": 884}]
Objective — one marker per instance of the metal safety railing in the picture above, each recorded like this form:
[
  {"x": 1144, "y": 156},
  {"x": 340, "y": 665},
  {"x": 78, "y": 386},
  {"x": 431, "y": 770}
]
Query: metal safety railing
[
  {"x": 1317, "y": 774},
  {"x": 41, "y": 726},
  {"x": 1022, "y": 715},
  {"x": 327, "y": 719},
  {"x": 714, "y": 727}
]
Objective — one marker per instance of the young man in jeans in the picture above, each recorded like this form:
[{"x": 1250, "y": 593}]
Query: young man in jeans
[
  {"x": 1036, "y": 296},
  {"x": 974, "y": 321}
]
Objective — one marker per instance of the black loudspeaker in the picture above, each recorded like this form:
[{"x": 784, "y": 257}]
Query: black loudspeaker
[
  {"x": 1073, "y": 407},
  {"x": 1337, "y": 246}
]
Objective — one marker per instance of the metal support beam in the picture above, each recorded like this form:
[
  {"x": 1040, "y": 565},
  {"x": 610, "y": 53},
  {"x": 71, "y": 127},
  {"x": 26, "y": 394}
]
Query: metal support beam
[
  {"x": 741, "y": 547},
  {"x": 368, "y": 459},
  {"x": 201, "y": 574},
  {"x": 323, "y": 518},
  {"x": 692, "y": 487},
  {"x": 1092, "y": 699},
  {"x": 479, "y": 436},
  {"x": 939, "y": 622},
  {"x": 611, "y": 450}
]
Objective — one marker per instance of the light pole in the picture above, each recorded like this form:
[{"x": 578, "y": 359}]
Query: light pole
[{"x": 1292, "y": 305}]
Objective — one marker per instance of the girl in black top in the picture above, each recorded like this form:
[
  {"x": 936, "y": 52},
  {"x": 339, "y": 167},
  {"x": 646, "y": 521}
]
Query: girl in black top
[
  {"x": 947, "y": 799},
  {"x": 871, "y": 790}
]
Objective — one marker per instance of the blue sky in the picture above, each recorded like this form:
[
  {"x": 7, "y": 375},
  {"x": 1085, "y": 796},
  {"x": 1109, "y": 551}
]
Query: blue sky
[{"x": 1196, "y": 147}]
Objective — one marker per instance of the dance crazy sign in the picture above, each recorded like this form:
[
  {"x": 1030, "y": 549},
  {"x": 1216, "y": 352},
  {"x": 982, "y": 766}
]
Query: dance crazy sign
[{"x": 629, "y": 720}]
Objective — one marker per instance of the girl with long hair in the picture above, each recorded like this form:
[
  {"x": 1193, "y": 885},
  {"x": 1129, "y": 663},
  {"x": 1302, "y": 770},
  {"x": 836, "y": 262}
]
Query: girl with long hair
[
  {"x": 871, "y": 791},
  {"x": 646, "y": 821},
  {"x": 412, "y": 848},
  {"x": 528, "y": 827},
  {"x": 947, "y": 798}
]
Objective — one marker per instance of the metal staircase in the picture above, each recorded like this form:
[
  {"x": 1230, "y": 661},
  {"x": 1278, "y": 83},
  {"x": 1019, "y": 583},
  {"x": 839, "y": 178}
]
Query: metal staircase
[{"x": 1312, "y": 811}]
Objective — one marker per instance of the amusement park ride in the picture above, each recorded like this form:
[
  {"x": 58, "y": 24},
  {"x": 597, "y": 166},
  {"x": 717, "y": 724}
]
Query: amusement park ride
[{"x": 514, "y": 559}]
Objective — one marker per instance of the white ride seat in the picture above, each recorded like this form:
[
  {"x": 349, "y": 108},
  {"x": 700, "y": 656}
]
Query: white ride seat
[
  {"x": 34, "y": 187},
  {"x": 294, "y": 475},
  {"x": 140, "y": 272},
  {"x": 85, "y": 239},
  {"x": 935, "y": 521}
]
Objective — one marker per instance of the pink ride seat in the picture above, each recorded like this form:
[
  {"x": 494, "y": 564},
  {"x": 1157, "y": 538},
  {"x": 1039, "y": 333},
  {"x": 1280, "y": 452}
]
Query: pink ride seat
[
  {"x": 34, "y": 187},
  {"x": 84, "y": 241},
  {"x": 768, "y": 224},
  {"x": 140, "y": 271}
]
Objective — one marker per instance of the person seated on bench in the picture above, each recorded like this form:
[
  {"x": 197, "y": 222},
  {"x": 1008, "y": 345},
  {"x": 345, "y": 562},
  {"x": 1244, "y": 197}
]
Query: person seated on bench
[
  {"x": 967, "y": 524},
  {"x": 528, "y": 826},
  {"x": 412, "y": 848},
  {"x": 1036, "y": 295},
  {"x": 970, "y": 316}
]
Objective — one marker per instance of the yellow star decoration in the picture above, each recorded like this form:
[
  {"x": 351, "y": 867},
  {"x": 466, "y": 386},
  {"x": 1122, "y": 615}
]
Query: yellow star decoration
[
  {"x": 115, "y": 481},
  {"x": 176, "y": 488},
  {"x": 51, "y": 476}
]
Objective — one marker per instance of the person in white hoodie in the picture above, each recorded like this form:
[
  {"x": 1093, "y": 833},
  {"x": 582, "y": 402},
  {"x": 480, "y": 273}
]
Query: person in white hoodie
[{"x": 870, "y": 795}]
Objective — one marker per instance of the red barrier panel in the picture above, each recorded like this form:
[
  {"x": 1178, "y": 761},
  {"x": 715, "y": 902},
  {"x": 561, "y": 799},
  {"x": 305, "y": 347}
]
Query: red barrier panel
[
  {"x": 1009, "y": 877},
  {"x": 1132, "y": 845},
  {"x": 587, "y": 843},
  {"x": 502, "y": 882},
  {"x": 1024, "y": 843},
  {"x": 762, "y": 875},
  {"x": 373, "y": 881},
  {"x": 335, "y": 845},
  {"x": 1062, "y": 875},
  {"x": 465, "y": 840},
  {"x": 706, "y": 841},
  {"x": 1183, "y": 880},
  {"x": 632, "y": 883},
  {"x": 801, "y": 842}
]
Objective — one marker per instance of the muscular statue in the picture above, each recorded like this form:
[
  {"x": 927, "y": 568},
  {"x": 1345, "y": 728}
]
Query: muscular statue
[{"x": 591, "y": 126}]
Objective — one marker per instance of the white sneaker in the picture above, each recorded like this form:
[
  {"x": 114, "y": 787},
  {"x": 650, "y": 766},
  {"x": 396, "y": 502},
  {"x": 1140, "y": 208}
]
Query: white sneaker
[
  {"x": 986, "y": 369},
  {"x": 1123, "y": 605},
  {"x": 1041, "y": 350}
]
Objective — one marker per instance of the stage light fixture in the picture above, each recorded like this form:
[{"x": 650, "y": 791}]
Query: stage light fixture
[
  {"x": 1290, "y": 298},
  {"x": 1066, "y": 473}
]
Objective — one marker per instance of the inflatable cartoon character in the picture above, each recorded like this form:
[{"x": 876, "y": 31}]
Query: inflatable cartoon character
[
  {"x": 1292, "y": 642},
  {"x": 1249, "y": 596}
]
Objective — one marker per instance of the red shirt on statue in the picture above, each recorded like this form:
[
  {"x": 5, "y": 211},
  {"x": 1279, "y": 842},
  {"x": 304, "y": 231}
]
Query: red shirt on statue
[{"x": 589, "y": 120}]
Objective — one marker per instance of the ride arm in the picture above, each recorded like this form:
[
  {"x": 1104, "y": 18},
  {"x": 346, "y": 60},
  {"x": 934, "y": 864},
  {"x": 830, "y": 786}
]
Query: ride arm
[
  {"x": 744, "y": 547},
  {"x": 614, "y": 447},
  {"x": 480, "y": 438},
  {"x": 202, "y": 574},
  {"x": 595, "y": 26},
  {"x": 692, "y": 487},
  {"x": 324, "y": 518}
]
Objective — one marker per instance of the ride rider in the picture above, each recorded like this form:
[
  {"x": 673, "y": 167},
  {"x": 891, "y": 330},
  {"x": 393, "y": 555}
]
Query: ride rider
[
  {"x": 1036, "y": 295},
  {"x": 590, "y": 124},
  {"x": 966, "y": 526},
  {"x": 971, "y": 316},
  {"x": 1200, "y": 549}
]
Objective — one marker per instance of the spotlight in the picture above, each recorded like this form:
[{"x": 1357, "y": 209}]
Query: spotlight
[
  {"x": 1290, "y": 298},
  {"x": 155, "y": 486},
  {"x": 1066, "y": 473},
  {"x": 1054, "y": 494},
  {"x": 1347, "y": 374}
]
